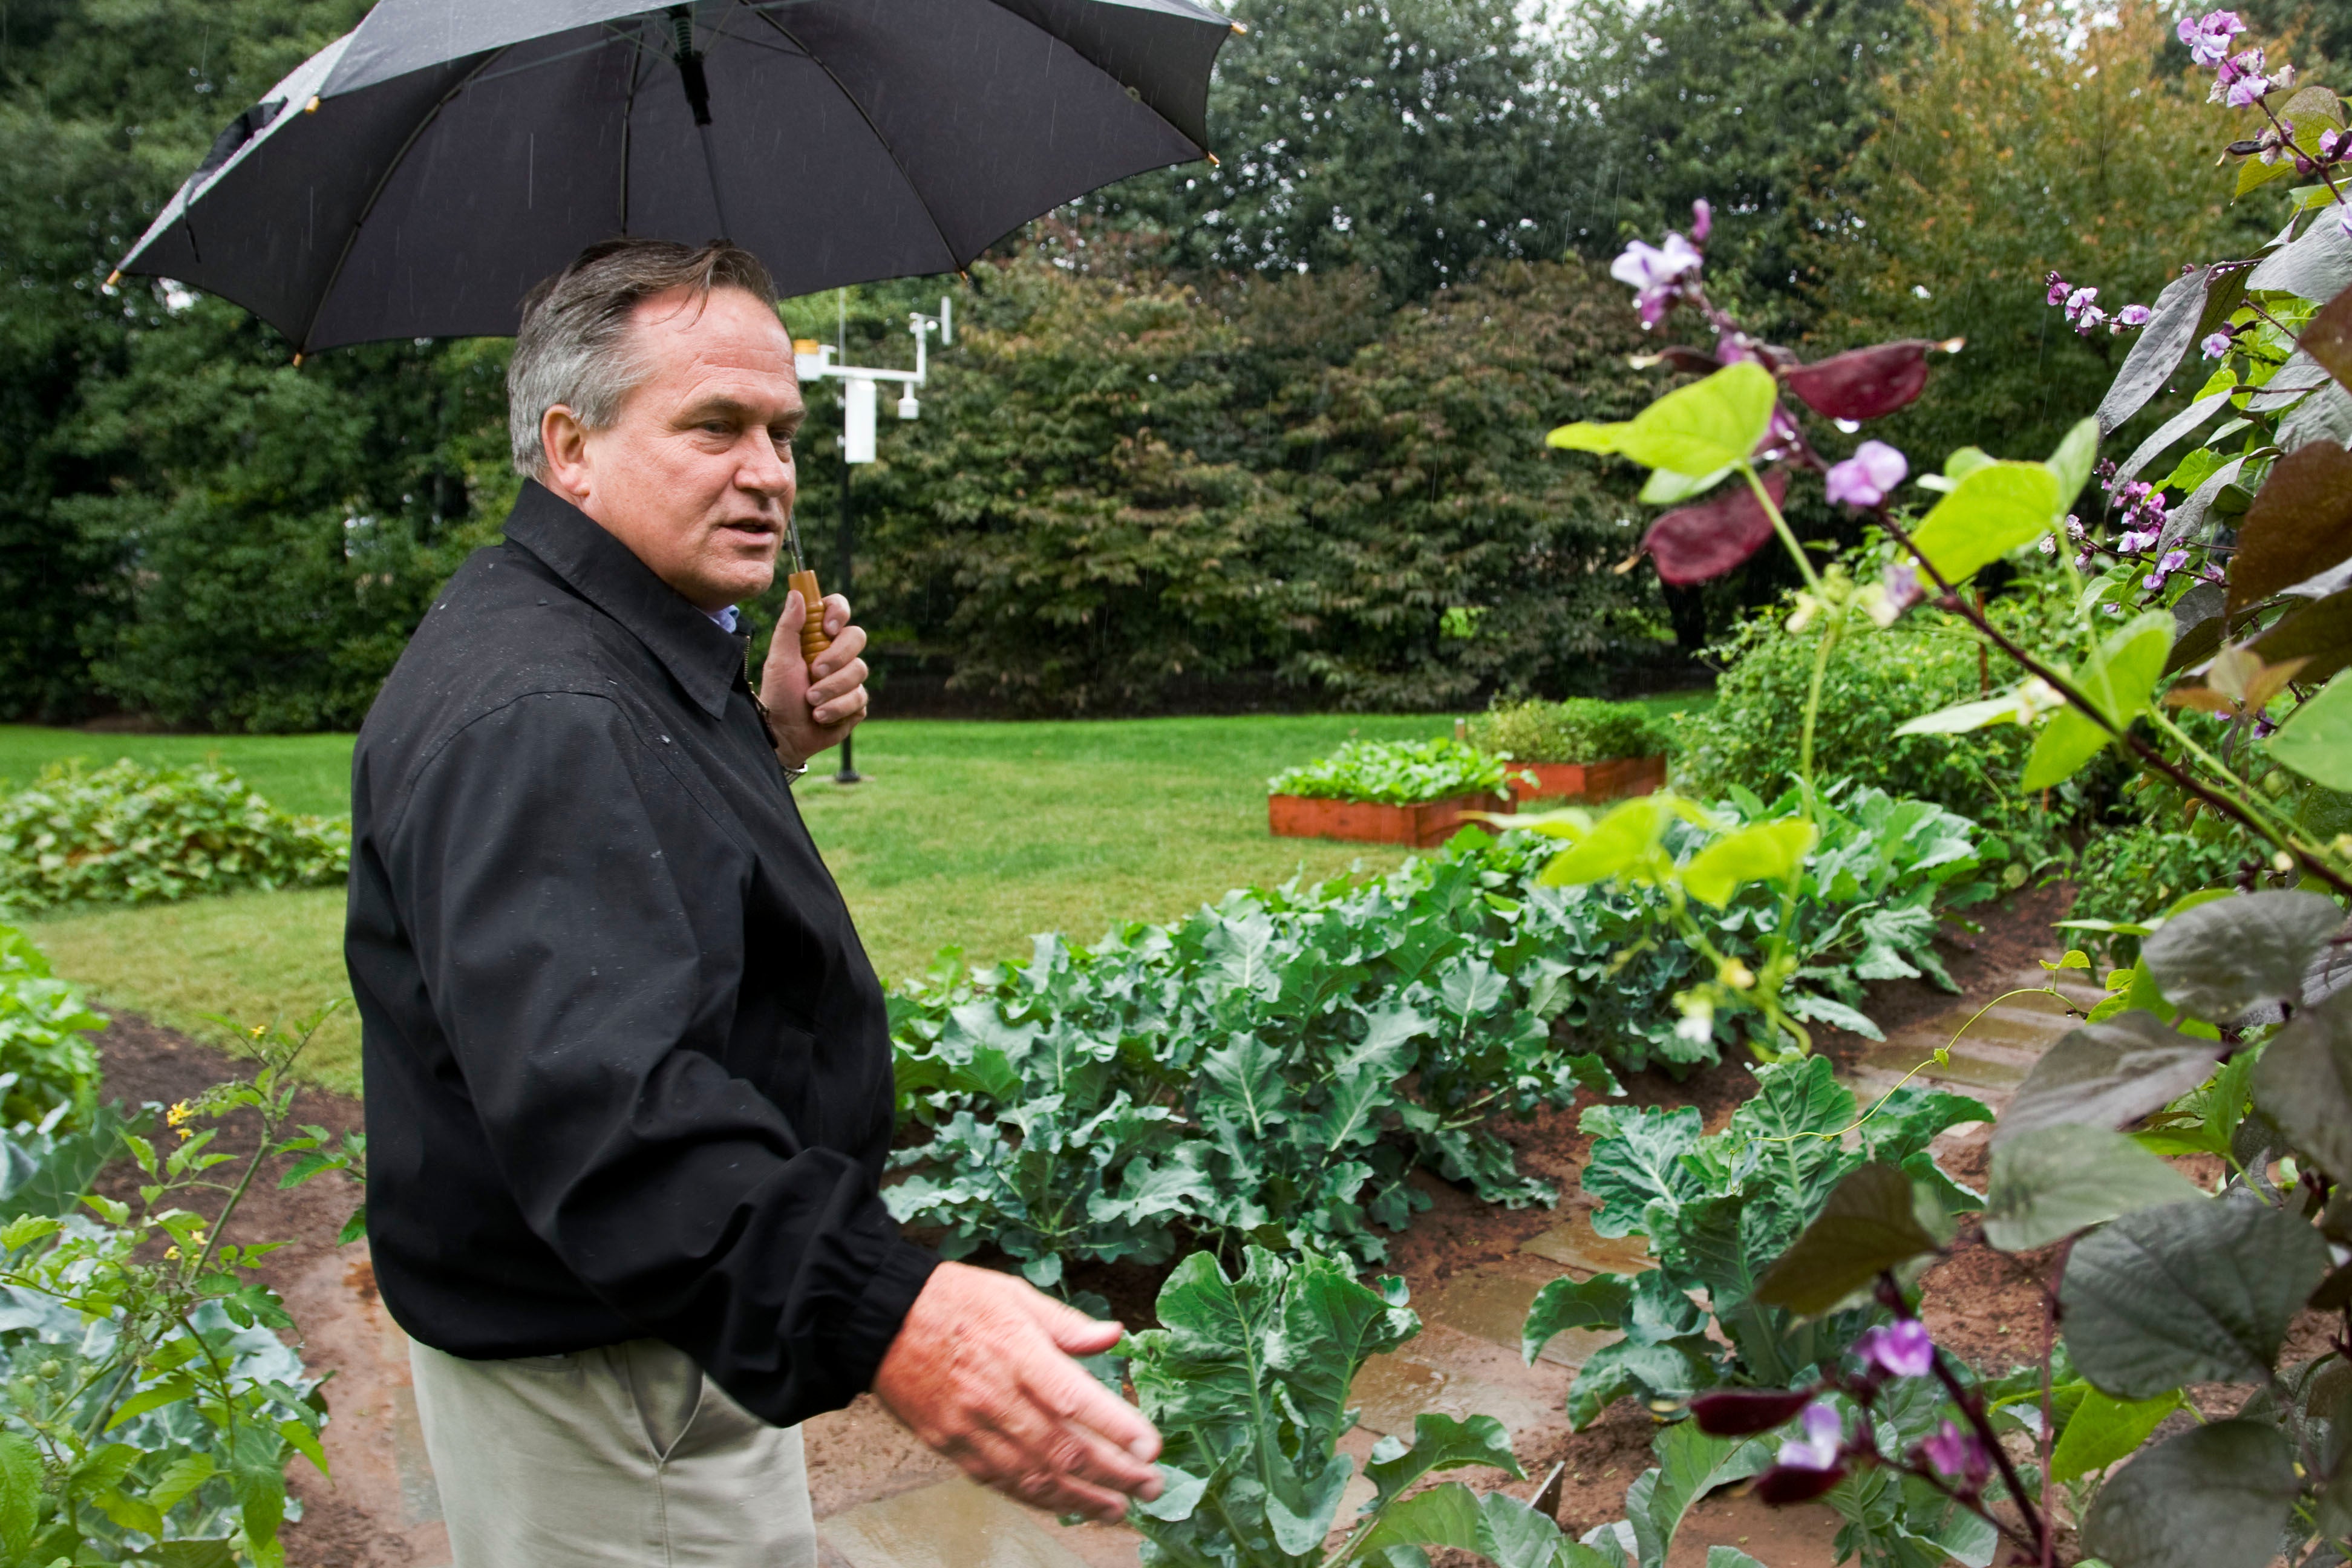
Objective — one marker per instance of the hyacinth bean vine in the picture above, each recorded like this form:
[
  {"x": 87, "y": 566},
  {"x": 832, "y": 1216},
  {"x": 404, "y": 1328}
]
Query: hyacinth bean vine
[{"x": 2214, "y": 619}]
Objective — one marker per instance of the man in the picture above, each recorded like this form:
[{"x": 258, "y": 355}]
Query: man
[{"x": 628, "y": 1073}]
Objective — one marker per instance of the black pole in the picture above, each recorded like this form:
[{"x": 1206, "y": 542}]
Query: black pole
[{"x": 848, "y": 774}]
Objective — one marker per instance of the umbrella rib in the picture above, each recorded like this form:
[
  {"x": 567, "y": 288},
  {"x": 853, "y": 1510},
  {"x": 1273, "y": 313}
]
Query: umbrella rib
[
  {"x": 376, "y": 194},
  {"x": 883, "y": 141}
]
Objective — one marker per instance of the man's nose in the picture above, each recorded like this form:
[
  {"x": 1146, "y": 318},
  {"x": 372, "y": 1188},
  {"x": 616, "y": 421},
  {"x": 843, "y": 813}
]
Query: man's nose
[{"x": 765, "y": 469}]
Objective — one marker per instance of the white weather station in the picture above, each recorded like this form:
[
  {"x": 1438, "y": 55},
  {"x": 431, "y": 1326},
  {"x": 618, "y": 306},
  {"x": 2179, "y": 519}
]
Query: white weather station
[{"x": 860, "y": 384}]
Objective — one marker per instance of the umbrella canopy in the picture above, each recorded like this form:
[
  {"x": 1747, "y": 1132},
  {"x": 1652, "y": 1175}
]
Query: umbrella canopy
[{"x": 417, "y": 176}]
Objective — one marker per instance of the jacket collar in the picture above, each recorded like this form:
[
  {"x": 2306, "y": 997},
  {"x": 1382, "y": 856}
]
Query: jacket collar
[{"x": 703, "y": 659}]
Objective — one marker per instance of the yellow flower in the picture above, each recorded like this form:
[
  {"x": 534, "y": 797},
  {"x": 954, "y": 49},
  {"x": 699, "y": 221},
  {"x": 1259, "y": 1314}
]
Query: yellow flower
[
  {"x": 180, "y": 1115},
  {"x": 173, "y": 1252}
]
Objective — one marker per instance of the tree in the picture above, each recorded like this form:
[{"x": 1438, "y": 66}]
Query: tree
[
  {"x": 1414, "y": 138},
  {"x": 2022, "y": 148}
]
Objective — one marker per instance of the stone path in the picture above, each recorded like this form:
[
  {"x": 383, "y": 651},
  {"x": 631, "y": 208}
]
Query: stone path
[{"x": 884, "y": 1502}]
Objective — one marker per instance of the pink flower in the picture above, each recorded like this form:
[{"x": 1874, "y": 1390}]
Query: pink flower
[
  {"x": 2059, "y": 289},
  {"x": 1902, "y": 585},
  {"x": 2215, "y": 346},
  {"x": 1648, "y": 267},
  {"x": 1901, "y": 1349},
  {"x": 1818, "y": 1448},
  {"x": 1702, "y": 220},
  {"x": 2133, "y": 542},
  {"x": 2328, "y": 141},
  {"x": 1865, "y": 479},
  {"x": 2209, "y": 36},
  {"x": 2133, "y": 316},
  {"x": 2078, "y": 300},
  {"x": 2088, "y": 321},
  {"x": 1958, "y": 1454}
]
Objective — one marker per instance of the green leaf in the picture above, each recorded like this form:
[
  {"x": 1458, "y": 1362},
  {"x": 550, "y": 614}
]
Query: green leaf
[
  {"x": 2071, "y": 464},
  {"x": 1993, "y": 510},
  {"x": 1625, "y": 840},
  {"x": 1635, "y": 1160},
  {"x": 1868, "y": 1224},
  {"x": 1602, "y": 1301},
  {"x": 2103, "y": 1429},
  {"x": 1331, "y": 1324},
  {"x": 2215, "y": 960},
  {"x": 1961, "y": 717},
  {"x": 1729, "y": 1557},
  {"x": 1301, "y": 1530},
  {"x": 1439, "y": 1442},
  {"x": 1444, "y": 1515},
  {"x": 2303, "y": 1081},
  {"x": 2050, "y": 1182},
  {"x": 1667, "y": 488},
  {"x": 2212, "y": 1497},
  {"x": 170, "y": 1391},
  {"x": 2118, "y": 680},
  {"x": 2108, "y": 1075},
  {"x": 2191, "y": 1292},
  {"x": 20, "y": 1491},
  {"x": 1764, "y": 852},
  {"x": 1697, "y": 429},
  {"x": 181, "y": 1477},
  {"x": 1179, "y": 1494},
  {"x": 2316, "y": 738},
  {"x": 217, "y": 1552},
  {"x": 1690, "y": 1465}
]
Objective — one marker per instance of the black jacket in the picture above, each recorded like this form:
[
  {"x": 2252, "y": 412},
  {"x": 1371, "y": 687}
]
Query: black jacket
[{"x": 628, "y": 1069}]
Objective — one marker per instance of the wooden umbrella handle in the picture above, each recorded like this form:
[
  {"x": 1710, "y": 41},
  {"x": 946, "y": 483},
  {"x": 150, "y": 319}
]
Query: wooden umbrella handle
[{"x": 813, "y": 639}]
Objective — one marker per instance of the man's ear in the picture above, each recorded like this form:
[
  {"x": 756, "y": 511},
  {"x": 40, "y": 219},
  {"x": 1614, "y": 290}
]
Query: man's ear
[{"x": 565, "y": 440}]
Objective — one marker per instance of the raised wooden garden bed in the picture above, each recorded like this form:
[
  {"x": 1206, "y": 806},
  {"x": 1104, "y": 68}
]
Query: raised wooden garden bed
[
  {"x": 1424, "y": 826},
  {"x": 1611, "y": 780}
]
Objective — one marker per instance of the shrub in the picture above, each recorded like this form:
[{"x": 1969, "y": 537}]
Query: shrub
[
  {"x": 1752, "y": 736},
  {"x": 1580, "y": 730},
  {"x": 2125, "y": 874},
  {"x": 1395, "y": 772},
  {"x": 126, "y": 834},
  {"x": 47, "y": 1061}
]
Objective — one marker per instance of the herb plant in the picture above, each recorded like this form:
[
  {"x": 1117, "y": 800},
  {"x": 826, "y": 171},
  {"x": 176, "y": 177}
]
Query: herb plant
[
  {"x": 1580, "y": 730},
  {"x": 127, "y": 833},
  {"x": 150, "y": 1408},
  {"x": 1397, "y": 773}
]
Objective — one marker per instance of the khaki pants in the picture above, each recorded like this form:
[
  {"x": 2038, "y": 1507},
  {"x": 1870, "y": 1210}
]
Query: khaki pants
[{"x": 622, "y": 1456}]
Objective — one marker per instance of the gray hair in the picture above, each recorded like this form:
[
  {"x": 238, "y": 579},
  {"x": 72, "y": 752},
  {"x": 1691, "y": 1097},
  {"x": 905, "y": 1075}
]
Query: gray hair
[{"x": 575, "y": 347}]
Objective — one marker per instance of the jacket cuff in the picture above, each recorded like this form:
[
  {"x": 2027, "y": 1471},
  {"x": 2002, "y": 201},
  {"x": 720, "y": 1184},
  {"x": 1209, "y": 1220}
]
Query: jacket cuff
[{"x": 881, "y": 1311}]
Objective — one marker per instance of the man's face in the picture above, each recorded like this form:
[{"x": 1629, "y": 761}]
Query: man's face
[{"x": 696, "y": 475}]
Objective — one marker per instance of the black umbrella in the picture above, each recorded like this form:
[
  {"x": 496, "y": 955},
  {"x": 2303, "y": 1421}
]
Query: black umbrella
[{"x": 417, "y": 175}]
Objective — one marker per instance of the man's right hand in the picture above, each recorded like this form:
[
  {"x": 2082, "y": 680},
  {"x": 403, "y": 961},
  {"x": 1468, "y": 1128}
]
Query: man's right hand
[{"x": 982, "y": 1372}]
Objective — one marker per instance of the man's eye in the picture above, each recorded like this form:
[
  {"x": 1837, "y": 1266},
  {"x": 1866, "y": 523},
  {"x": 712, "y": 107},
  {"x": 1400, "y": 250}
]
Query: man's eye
[{"x": 719, "y": 427}]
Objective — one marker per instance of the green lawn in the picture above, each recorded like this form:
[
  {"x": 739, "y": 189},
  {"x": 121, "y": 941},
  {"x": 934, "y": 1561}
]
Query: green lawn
[
  {"x": 310, "y": 773},
  {"x": 966, "y": 834}
]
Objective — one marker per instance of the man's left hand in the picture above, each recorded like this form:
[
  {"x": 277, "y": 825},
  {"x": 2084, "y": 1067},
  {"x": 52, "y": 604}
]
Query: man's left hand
[{"x": 811, "y": 706}]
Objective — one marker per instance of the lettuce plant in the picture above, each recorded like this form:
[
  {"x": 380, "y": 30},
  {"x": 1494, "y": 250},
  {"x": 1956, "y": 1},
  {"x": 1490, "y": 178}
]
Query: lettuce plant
[{"x": 1397, "y": 773}]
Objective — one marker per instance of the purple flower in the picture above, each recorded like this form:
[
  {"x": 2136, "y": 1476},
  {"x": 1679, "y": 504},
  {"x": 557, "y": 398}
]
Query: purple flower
[
  {"x": 2049, "y": 545},
  {"x": 2133, "y": 316},
  {"x": 1702, "y": 220},
  {"x": 2078, "y": 300},
  {"x": 2081, "y": 560},
  {"x": 2207, "y": 37},
  {"x": 2088, "y": 321},
  {"x": 1865, "y": 479},
  {"x": 2328, "y": 141},
  {"x": 1902, "y": 585},
  {"x": 2074, "y": 526},
  {"x": 1818, "y": 1448},
  {"x": 1648, "y": 267},
  {"x": 2059, "y": 289},
  {"x": 1958, "y": 1454},
  {"x": 2215, "y": 346},
  {"x": 2239, "y": 80},
  {"x": 1901, "y": 1349},
  {"x": 2132, "y": 543},
  {"x": 2174, "y": 559}
]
